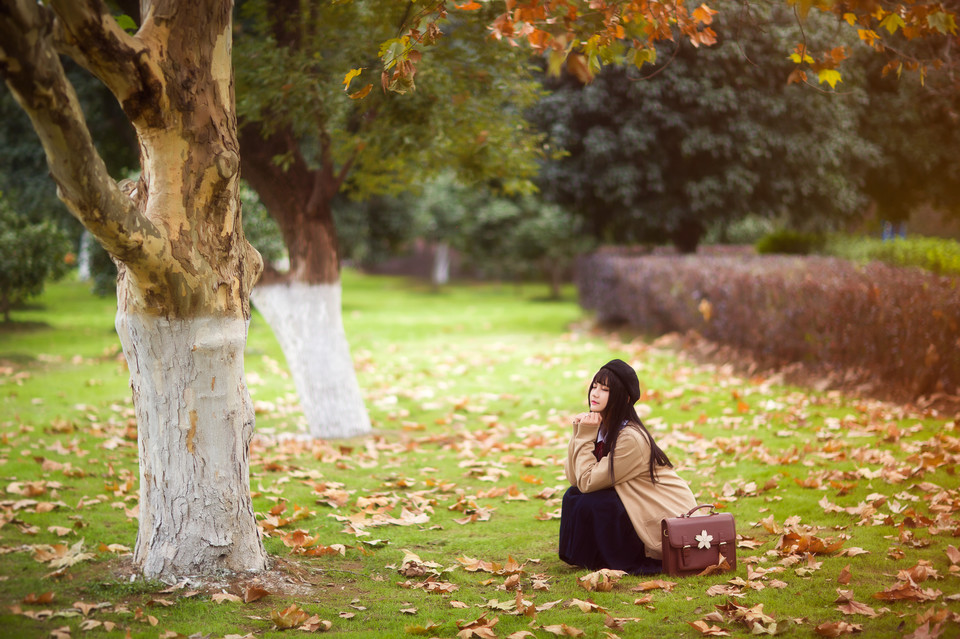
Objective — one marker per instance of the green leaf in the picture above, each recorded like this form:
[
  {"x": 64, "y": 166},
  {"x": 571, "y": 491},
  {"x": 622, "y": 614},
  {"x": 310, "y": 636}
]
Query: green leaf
[
  {"x": 392, "y": 51},
  {"x": 555, "y": 62},
  {"x": 126, "y": 23},
  {"x": 830, "y": 76},
  {"x": 644, "y": 56},
  {"x": 942, "y": 22}
]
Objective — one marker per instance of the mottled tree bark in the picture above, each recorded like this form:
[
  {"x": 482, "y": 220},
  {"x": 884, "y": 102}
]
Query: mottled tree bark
[{"x": 186, "y": 270}]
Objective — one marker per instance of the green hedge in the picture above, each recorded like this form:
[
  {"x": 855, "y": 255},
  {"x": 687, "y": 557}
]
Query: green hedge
[
  {"x": 787, "y": 242},
  {"x": 938, "y": 255}
]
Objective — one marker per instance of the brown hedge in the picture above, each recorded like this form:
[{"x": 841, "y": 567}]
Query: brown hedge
[{"x": 899, "y": 325}]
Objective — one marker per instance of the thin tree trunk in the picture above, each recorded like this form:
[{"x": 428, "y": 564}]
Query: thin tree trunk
[
  {"x": 306, "y": 319},
  {"x": 441, "y": 264},
  {"x": 303, "y": 305}
]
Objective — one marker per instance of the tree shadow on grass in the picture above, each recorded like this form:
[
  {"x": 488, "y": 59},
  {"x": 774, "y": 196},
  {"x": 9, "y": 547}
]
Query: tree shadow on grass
[
  {"x": 13, "y": 327},
  {"x": 548, "y": 299}
]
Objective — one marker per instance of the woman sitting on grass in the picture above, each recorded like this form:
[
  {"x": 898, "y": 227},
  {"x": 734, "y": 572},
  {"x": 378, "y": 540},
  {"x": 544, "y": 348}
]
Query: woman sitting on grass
[{"x": 621, "y": 483}]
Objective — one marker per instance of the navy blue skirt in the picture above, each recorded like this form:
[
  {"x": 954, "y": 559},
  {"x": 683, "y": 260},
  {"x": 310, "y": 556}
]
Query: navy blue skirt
[{"x": 596, "y": 532}]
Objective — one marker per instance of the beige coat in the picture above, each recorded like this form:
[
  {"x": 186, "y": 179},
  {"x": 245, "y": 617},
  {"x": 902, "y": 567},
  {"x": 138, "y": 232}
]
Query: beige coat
[{"x": 646, "y": 503}]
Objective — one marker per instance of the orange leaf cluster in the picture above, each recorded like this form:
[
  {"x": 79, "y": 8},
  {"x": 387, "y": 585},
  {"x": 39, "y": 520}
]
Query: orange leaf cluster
[
  {"x": 907, "y": 586},
  {"x": 795, "y": 541}
]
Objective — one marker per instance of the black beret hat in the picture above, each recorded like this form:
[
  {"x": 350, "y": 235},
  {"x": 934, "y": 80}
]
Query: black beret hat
[{"x": 627, "y": 376}]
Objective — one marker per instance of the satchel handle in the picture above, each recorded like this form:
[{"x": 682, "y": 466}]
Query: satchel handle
[{"x": 693, "y": 510}]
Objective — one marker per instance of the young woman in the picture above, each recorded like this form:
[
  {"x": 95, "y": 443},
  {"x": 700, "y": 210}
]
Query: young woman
[{"x": 621, "y": 483}]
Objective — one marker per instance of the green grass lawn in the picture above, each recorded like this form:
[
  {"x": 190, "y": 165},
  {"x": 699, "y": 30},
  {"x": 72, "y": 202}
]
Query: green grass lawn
[{"x": 447, "y": 513}]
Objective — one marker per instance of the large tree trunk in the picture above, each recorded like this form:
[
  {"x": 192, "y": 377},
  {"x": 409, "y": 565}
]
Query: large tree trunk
[
  {"x": 302, "y": 306},
  {"x": 185, "y": 268},
  {"x": 195, "y": 422}
]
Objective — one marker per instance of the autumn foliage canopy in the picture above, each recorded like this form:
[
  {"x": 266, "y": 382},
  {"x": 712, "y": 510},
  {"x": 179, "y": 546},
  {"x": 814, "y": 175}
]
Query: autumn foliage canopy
[{"x": 583, "y": 36}]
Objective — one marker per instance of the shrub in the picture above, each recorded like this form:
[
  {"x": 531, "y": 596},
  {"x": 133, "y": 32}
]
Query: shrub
[
  {"x": 935, "y": 254},
  {"x": 788, "y": 242},
  {"x": 747, "y": 230},
  {"x": 893, "y": 325},
  {"x": 30, "y": 254}
]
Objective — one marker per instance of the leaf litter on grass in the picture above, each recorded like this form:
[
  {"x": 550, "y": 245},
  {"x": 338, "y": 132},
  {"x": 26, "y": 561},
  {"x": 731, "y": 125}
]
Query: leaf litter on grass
[{"x": 468, "y": 448}]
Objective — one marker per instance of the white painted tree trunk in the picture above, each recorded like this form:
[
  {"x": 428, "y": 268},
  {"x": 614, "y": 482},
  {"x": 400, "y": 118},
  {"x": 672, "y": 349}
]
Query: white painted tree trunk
[
  {"x": 307, "y": 321},
  {"x": 195, "y": 422},
  {"x": 85, "y": 258},
  {"x": 441, "y": 264}
]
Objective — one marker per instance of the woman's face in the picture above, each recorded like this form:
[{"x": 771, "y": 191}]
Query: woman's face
[{"x": 599, "y": 394}]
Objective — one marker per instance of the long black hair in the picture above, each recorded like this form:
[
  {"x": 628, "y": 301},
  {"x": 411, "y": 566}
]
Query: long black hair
[{"x": 618, "y": 414}]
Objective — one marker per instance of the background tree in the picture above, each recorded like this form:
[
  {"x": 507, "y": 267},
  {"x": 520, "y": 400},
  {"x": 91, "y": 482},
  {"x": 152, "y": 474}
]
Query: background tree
[
  {"x": 550, "y": 237},
  {"x": 441, "y": 212},
  {"x": 31, "y": 253},
  {"x": 305, "y": 141},
  {"x": 185, "y": 268},
  {"x": 376, "y": 229},
  {"x": 25, "y": 179},
  {"x": 24, "y": 176},
  {"x": 716, "y": 137},
  {"x": 917, "y": 129},
  {"x": 509, "y": 238}
]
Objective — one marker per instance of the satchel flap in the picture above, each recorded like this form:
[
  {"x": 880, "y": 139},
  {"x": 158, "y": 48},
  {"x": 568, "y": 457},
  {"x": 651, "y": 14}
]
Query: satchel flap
[{"x": 700, "y": 531}]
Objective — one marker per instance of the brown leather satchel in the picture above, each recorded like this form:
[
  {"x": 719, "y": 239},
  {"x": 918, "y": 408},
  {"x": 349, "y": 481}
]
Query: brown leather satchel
[{"x": 693, "y": 544}]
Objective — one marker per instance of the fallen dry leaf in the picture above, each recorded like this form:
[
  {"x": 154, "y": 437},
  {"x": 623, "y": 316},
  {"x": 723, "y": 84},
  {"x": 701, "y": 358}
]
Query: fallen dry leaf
[
  {"x": 907, "y": 591},
  {"x": 602, "y": 580},
  {"x": 925, "y": 631},
  {"x": 562, "y": 630},
  {"x": 717, "y": 590},
  {"x": 723, "y": 566},
  {"x": 849, "y": 606},
  {"x": 480, "y": 628},
  {"x": 38, "y": 600},
  {"x": 289, "y": 617},
  {"x": 656, "y": 584},
  {"x": 254, "y": 593},
  {"x": 918, "y": 573},
  {"x": 585, "y": 606},
  {"x": 220, "y": 597},
  {"x": 315, "y": 624},
  {"x": 837, "y": 628},
  {"x": 707, "y": 630},
  {"x": 844, "y": 576},
  {"x": 429, "y": 629},
  {"x": 953, "y": 555}
]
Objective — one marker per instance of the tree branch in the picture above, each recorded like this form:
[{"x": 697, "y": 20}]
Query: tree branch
[
  {"x": 85, "y": 31},
  {"x": 31, "y": 68}
]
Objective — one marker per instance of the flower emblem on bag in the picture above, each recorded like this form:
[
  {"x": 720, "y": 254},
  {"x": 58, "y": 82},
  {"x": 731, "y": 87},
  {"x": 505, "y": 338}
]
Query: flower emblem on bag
[{"x": 704, "y": 539}]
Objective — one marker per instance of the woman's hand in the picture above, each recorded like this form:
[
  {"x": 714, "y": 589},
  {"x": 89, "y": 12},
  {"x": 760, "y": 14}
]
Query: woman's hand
[
  {"x": 591, "y": 419},
  {"x": 586, "y": 419},
  {"x": 579, "y": 418}
]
